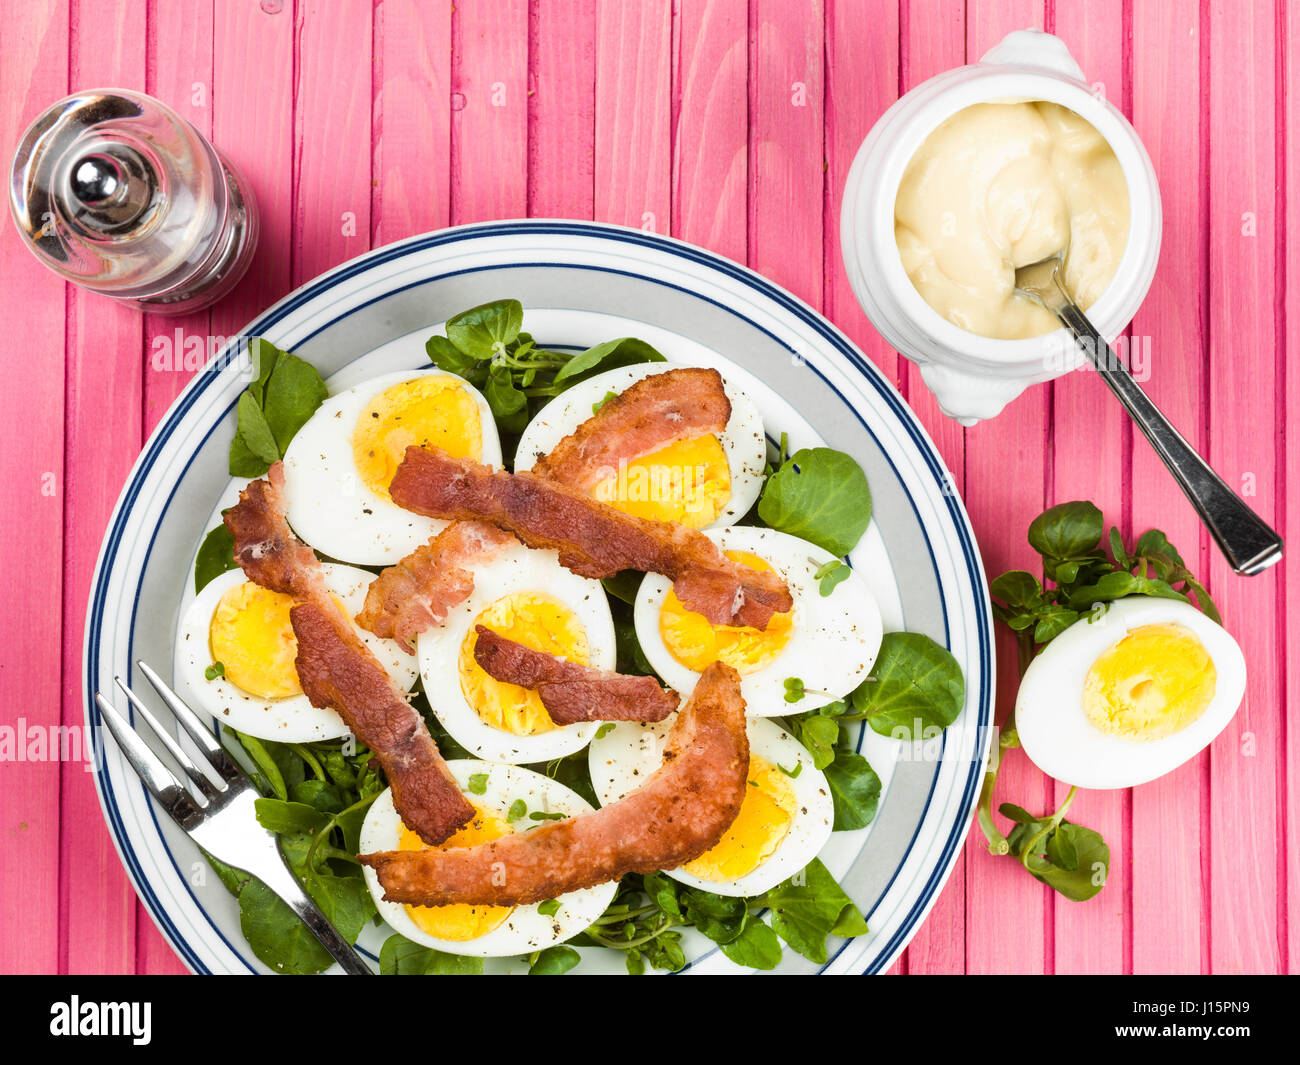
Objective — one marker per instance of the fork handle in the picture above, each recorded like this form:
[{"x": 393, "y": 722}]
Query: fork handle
[
  {"x": 285, "y": 884},
  {"x": 1246, "y": 540}
]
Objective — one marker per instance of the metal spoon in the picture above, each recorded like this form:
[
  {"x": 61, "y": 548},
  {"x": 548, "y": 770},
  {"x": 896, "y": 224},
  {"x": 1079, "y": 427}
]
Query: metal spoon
[{"x": 1249, "y": 544}]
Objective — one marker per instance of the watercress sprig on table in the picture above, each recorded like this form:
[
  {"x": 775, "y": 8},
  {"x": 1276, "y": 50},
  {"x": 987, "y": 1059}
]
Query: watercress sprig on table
[{"x": 1079, "y": 575}]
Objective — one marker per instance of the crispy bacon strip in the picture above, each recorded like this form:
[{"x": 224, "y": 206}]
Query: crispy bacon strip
[
  {"x": 337, "y": 670},
  {"x": 649, "y": 415},
  {"x": 418, "y": 592},
  {"x": 593, "y": 540},
  {"x": 569, "y": 691},
  {"x": 679, "y": 813}
]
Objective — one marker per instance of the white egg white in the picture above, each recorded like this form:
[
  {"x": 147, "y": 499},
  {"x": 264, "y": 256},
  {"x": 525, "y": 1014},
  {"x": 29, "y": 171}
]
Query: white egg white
[
  {"x": 1053, "y": 726},
  {"x": 327, "y": 502},
  {"x": 742, "y": 439},
  {"x": 517, "y": 569},
  {"x": 292, "y": 719},
  {"x": 833, "y": 641},
  {"x": 525, "y": 930},
  {"x": 623, "y": 759}
]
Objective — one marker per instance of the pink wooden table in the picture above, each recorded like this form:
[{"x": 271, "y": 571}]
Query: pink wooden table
[{"x": 730, "y": 123}]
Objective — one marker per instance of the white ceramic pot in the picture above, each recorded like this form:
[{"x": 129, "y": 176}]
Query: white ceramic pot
[{"x": 972, "y": 376}]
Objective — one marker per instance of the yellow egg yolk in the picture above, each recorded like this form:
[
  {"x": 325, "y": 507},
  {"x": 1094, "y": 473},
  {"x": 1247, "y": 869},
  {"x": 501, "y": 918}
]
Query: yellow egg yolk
[
  {"x": 696, "y": 642},
  {"x": 1155, "y": 681},
  {"x": 252, "y": 638},
  {"x": 687, "y": 482},
  {"x": 460, "y": 921},
  {"x": 764, "y": 819},
  {"x": 536, "y": 621},
  {"x": 429, "y": 411}
]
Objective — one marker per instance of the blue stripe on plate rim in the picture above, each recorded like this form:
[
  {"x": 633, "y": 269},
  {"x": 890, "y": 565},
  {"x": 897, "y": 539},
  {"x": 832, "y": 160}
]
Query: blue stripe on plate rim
[{"x": 801, "y": 311}]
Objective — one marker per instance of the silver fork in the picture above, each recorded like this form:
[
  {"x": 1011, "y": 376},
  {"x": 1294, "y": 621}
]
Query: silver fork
[{"x": 222, "y": 821}]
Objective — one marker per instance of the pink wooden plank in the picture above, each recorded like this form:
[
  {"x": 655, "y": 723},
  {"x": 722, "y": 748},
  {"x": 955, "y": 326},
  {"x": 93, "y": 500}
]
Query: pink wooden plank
[
  {"x": 633, "y": 114},
  {"x": 331, "y": 136},
  {"x": 1002, "y": 932},
  {"x": 857, "y": 94},
  {"x": 562, "y": 109},
  {"x": 1092, "y": 937},
  {"x": 104, "y": 372},
  {"x": 252, "y": 123},
  {"x": 932, "y": 40},
  {"x": 711, "y": 127},
  {"x": 412, "y": 119},
  {"x": 786, "y": 145},
  {"x": 179, "y": 72},
  {"x": 33, "y": 75},
  {"x": 489, "y": 122},
  {"x": 1290, "y": 465},
  {"x": 1167, "y": 906},
  {"x": 1246, "y": 845}
]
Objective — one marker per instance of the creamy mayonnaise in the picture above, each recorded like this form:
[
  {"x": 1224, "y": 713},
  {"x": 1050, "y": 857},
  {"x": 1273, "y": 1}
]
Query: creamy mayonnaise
[{"x": 998, "y": 186}]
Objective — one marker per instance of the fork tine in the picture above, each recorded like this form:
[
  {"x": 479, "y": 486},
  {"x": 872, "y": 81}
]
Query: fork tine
[
  {"x": 190, "y": 721},
  {"x": 192, "y": 771},
  {"x": 164, "y": 787}
]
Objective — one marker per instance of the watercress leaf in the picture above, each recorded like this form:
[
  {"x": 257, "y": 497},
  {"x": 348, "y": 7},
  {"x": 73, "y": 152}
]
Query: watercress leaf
[
  {"x": 1117, "y": 551},
  {"x": 1091, "y": 863},
  {"x": 1061, "y": 850},
  {"x": 625, "y": 351},
  {"x": 277, "y": 935},
  {"x": 320, "y": 794},
  {"x": 809, "y": 907},
  {"x": 267, "y": 765},
  {"x": 1113, "y": 585},
  {"x": 502, "y": 395},
  {"x": 1067, "y": 530},
  {"x": 1017, "y": 588},
  {"x": 833, "y": 576},
  {"x": 1021, "y": 621},
  {"x": 624, "y": 585},
  {"x": 1052, "y": 621},
  {"x": 1066, "y": 572},
  {"x": 914, "y": 685},
  {"x": 553, "y": 961},
  {"x": 216, "y": 556},
  {"x": 254, "y": 433},
  {"x": 662, "y": 891},
  {"x": 819, "y": 734},
  {"x": 485, "y": 330},
  {"x": 1153, "y": 543},
  {"x": 280, "y": 816},
  {"x": 720, "y": 917},
  {"x": 293, "y": 393},
  {"x": 400, "y": 957},
  {"x": 231, "y": 878},
  {"x": 345, "y": 901},
  {"x": 820, "y": 495},
  {"x": 446, "y": 356},
  {"x": 757, "y": 947},
  {"x": 855, "y": 789},
  {"x": 634, "y": 962}
]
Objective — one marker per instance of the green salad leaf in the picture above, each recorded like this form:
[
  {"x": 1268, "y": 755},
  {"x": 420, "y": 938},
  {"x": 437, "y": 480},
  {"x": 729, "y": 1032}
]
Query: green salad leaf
[
  {"x": 400, "y": 957},
  {"x": 819, "y": 495},
  {"x": 855, "y": 789},
  {"x": 271, "y": 410},
  {"x": 216, "y": 556},
  {"x": 914, "y": 685},
  {"x": 809, "y": 907}
]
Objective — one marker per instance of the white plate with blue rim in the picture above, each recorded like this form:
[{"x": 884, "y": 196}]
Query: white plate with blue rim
[{"x": 580, "y": 283}]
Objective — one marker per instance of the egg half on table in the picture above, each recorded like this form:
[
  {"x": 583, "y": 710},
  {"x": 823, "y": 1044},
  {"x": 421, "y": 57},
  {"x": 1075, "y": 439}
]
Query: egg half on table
[
  {"x": 338, "y": 467},
  {"x": 1130, "y": 696},
  {"x": 525, "y": 595},
  {"x": 827, "y": 643},
  {"x": 785, "y": 819},
  {"x": 486, "y": 931},
  {"x": 246, "y": 629},
  {"x": 705, "y": 482}
]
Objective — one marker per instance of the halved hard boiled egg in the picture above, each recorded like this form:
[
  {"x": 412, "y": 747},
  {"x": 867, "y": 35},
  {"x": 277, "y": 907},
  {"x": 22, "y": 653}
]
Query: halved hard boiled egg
[
  {"x": 827, "y": 644},
  {"x": 708, "y": 481},
  {"x": 235, "y": 657},
  {"x": 338, "y": 467},
  {"x": 527, "y": 596},
  {"x": 784, "y": 821},
  {"x": 1130, "y": 694},
  {"x": 504, "y": 797}
]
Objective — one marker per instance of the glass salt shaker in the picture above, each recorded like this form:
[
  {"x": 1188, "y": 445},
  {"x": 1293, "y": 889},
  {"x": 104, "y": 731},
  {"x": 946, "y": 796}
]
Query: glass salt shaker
[{"x": 116, "y": 192}]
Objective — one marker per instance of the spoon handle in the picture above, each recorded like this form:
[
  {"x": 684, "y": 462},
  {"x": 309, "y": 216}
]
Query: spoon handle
[{"x": 1247, "y": 541}]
